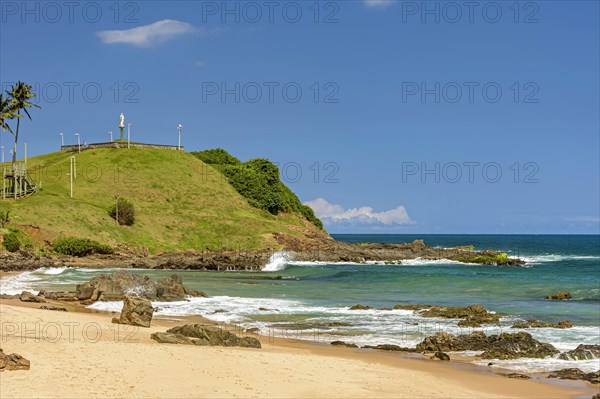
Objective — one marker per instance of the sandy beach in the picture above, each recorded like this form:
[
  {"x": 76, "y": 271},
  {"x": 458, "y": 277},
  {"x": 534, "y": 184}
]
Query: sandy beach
[{"x": 78, "y": 354}]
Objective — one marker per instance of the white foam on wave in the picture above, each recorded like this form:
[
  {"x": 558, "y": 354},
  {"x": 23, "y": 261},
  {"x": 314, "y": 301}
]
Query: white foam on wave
[
  {"x": 277, "y": 262},
  {"x": 27, "y": 281},
  {"x": 537, "y": 259},
  {"x": 52, "y": 271},
  {"x": 425, "y": 262},
  {"x": 13, "y": 285},
  {"x": 533, "y": 365}
]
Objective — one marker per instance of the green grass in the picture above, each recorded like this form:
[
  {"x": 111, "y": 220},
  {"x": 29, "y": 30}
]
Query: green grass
[{"x": 180, "y": 202}]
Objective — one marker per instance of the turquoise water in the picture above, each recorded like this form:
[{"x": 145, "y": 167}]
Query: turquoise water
[{"x": 310, "y": 295}]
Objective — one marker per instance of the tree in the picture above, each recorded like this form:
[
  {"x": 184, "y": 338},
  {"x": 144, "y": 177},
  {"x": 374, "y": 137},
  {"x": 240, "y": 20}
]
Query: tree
[
  {"x": 6, "y": 113},
  {"x": 19, "y": 96}
]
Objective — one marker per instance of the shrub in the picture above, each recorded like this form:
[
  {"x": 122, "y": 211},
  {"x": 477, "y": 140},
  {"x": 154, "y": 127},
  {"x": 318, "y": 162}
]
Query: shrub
[
  {"x": 217, "y": 156},
  {"x": 12, "y": 242},
  {"x": 258, "y": 181},
  {"x": 80, "y": 247},
  {"x": 125, "y": 210}
]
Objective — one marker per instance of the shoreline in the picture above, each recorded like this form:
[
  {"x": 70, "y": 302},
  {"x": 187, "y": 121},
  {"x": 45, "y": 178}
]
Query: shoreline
[
  {"x": 458, "y": 377},
  {"x": 317, "y": 250}
]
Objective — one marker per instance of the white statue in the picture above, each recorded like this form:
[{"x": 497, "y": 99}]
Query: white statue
[{"x": 122, "y": 124}]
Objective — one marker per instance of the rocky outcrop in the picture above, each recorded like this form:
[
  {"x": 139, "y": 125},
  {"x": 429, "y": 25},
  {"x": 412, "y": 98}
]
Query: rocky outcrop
[
  {"x": 202, "y": 335},
  {"x": 168, "y": 338},
  {"x": 502, "y": 346},
  {"x": 582, "y": 352},
  {"x": 560, "y": 295},
  {"x": 360, "y": 307},
  {"x": 533, "y": 323},
  {"x": 576, "y": 374},
  {"x": 389, "y": 348},
  {"x": 59, "y": 295},
  {"x": 518, "y": 376},
  {"x": 440, "y": 356},
  {"x": 473, "y": 315},
  {"x": 13, "y": 362},
  {"x": 312, "y": 246},
  {"x": 114, "y": 287},
  {"x": 29, "y": 297},
  {"x": 333, "y": 251},
  {"x": 52, "y": 307},
  {"x": 345, "y": 344},
  {"x": 135, "y": 312}
]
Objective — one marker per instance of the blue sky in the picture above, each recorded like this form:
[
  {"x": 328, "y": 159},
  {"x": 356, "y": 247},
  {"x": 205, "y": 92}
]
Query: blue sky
[{"x": 412, "y": 118}]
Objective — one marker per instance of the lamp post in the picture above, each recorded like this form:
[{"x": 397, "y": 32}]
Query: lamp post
[
  {"x": 78, "y": 142},
  {"x": 129, "y": 134},
  {"x": 179, "y": 127},
  {"x": 62, "y": 140},
  {"x": 110, "y": 133}
]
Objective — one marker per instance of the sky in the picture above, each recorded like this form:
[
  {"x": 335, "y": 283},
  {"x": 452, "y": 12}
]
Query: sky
[{"x": 384, "y": 116}]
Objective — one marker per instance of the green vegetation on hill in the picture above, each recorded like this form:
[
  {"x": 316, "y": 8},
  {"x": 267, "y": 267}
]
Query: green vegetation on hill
[
  {"x": 180, "y": 203},
  {"x": 258, "y": 181}
]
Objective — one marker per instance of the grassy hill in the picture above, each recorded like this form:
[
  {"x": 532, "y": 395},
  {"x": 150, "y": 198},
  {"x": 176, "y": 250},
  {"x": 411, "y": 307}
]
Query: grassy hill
[{"x": 180, "y": 203}]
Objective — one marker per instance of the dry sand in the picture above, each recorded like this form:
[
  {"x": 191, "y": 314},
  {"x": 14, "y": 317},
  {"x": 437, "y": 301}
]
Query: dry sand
[{"x": 75, "y": 354}]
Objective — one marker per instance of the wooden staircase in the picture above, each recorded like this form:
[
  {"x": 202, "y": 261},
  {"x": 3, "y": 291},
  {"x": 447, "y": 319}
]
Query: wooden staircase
[{"x": 17, "y": 183}]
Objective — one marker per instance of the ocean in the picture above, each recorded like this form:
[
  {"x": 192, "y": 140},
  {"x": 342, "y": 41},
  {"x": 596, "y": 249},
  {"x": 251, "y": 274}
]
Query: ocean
[{"x": 311, "y": 300}]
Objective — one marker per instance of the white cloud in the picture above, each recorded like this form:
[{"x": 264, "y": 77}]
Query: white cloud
[
  {"x": 334, "y": 213},
  {"x": 381, "y": 4},
  {"x": 147, "y": 35}
]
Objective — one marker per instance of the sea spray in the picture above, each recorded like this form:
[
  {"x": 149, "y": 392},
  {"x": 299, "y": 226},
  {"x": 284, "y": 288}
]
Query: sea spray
[{"x": 277, "y": 262}]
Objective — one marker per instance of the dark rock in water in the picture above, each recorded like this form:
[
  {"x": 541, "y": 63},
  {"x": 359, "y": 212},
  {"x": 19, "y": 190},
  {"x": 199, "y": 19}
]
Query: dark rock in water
[
  {"x": 208, "y": 335},
  {"x": 135, "y": 312},
  {"x": 267, "y": 310},
  {"x": 490, "y": 364},
  {"x": 582, "y": 352},
  {"x": 29, "y": 297},
  {"x": 503, "y": 346},
  {"x": 52, "y": 307},
  {"x": 167, "y": 338},
  {"x": 512, "y": 346},
  {"x": 442, "y": 341},
  {"x": 390, "y": 348},
  {"x": 412, "y": 307},
  {"x": 342, "y": 343},
  {"x": 113, "y": 287},
  {"x": 473, "y": 315},
  {"x": 219, "y": 311},
  {"x": 517, "y": 376},
  {"x": 533, "y": 323},
  {"x": 560, "y": 295},
  {"x": 360, "y": 307},
  {"x": 13, "y": 362},
  {"x": 253, "y": 330},
  {"x": 440, "y": 356},
  {"x": 576, "y": 374}
]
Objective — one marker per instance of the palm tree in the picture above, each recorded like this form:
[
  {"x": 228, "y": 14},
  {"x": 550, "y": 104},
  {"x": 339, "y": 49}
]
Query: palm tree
[
  {"x": 6, "y": 112},
  {"x": 19, "y": 95}
]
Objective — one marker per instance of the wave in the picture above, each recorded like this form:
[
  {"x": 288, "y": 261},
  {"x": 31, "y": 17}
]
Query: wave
[
  {"x": 277, "y": 262},
  {"x": 533, "y": 365},
  {"x": 536, "y": 259},
  {"x": 13, "y": 285}
]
